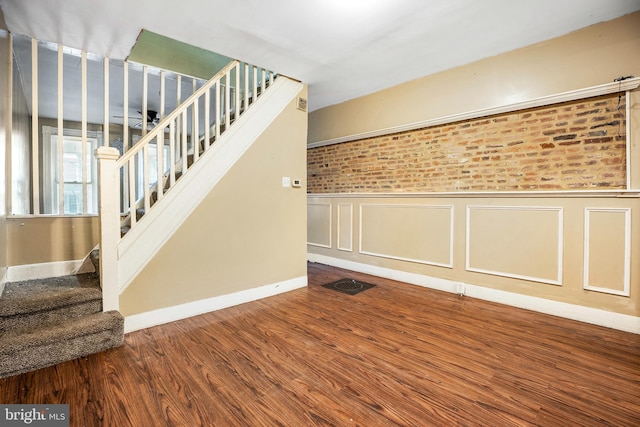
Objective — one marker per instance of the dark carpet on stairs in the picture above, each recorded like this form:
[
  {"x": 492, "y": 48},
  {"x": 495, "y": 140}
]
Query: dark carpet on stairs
[
  {"x": 27, "y": 303},
  {"x": 48, "y": 321}
]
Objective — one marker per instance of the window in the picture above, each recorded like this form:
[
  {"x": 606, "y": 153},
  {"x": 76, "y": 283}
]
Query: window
[
  {"x": 70, "y": 185},
  {"x": 72, "y": 179}
]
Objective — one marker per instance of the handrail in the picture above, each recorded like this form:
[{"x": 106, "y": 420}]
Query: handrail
[
  {"x": 171, "y": 116},
  {"x": 117, "y": 81},
  {"x": 191, "y": 128},
  {"x": 128, "y": 176}
]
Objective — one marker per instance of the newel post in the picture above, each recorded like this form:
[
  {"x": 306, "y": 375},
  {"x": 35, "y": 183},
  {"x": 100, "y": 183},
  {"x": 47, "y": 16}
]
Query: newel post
[{"x": 109, "y": 210}]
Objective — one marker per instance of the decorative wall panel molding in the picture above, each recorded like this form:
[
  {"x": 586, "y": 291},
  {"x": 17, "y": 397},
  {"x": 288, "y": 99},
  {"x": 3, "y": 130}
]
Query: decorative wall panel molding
[
  {"x": 607, "y": 250},
  {"x": 345, "y": 227},
  {"x": 319, "y": 224},
  {"x": 415, "y": 233},
  {"x": 609, "y": 319},
  {"x": 523, "y": 242}
]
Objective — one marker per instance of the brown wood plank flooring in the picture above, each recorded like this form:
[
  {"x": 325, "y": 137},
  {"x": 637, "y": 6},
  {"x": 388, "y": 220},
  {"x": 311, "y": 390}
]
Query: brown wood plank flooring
[{"x": 395, "y": 354}]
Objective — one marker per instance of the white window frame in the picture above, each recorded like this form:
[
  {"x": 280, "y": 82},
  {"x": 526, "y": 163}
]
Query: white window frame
[{"x": 51, "y": 175}]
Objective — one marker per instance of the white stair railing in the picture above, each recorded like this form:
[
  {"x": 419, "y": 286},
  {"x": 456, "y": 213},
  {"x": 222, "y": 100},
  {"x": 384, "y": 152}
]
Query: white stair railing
[
  {"x": 101, "y": 101},
  {"x": 186, "y": 133},
  {"x": 183, "y": 136}
]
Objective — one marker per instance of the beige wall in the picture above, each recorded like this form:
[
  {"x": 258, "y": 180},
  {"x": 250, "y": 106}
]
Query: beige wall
[
  {"x": 548, "y": 247},
  {"x": 35, "y": 240},
  {"x": 248, "y": 232},
  {"x": 42, "y": 239},
  {"x": 584, "y": 58},
  {"x": 573, "y": 248}
]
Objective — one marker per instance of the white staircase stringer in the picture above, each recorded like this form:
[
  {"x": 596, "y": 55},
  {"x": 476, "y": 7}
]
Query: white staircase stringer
[{"x": 141, "y": 244}]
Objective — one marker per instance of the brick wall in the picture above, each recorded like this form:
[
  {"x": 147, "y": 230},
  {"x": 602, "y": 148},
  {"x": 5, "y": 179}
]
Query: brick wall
[{"x": 574, "y": 145}]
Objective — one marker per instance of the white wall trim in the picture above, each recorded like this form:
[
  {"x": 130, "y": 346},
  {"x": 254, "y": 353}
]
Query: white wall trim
[
  {"x": 529, "y": 194},
  {"x": 623, "y": 322},
  {"x": 18, "y": 273},
  {"x": 419, "y": 261},
  {"x": 573, "y": 95},
  {"x": 322, "y": 245},
  {"x": 627, "y": 251},
  {"x": 560, "y": 244},
  {"x": 627, "y": 115},
  {"x": 183, "y": 311},
  {"x": 345, "y": 246}
]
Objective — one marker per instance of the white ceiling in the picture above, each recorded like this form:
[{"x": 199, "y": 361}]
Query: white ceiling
[{"x": 341, "y": 48}]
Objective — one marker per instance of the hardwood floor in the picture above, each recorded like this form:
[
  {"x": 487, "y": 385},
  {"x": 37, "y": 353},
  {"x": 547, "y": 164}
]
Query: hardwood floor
[{"x": 395, "y": 354}]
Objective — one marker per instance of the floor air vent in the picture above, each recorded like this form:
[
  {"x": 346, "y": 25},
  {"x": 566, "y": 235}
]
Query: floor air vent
[{"x": 348, "y": 286}]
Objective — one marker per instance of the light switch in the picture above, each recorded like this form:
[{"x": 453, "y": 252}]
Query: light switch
[{"x": 286, "y": 181}]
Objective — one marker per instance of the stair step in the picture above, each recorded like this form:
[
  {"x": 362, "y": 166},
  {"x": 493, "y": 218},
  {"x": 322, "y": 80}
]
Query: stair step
[
  {"x": 27, "y": 350},
  {"x": 32, "y": 303}
]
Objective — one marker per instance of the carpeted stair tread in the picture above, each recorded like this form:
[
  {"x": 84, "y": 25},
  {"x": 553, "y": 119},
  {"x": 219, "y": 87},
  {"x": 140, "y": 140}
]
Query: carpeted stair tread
[
  {"x": 47, "y": 294},
  {"x": 54, "y": 332},
  {"x": 27, "y": 350}
]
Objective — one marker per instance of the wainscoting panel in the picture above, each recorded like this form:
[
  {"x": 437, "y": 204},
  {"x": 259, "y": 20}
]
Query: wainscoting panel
[
  {"x": 345, "y": 227},
  {"x": 416, "y": 233},
  {"x": 607, "y": 250},
  {"x": 516, "y": 241},
  {"x": 319, "y": 224}
]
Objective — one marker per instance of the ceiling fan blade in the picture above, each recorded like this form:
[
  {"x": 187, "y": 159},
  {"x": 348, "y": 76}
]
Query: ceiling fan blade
[{"x": 130, "y": 117}]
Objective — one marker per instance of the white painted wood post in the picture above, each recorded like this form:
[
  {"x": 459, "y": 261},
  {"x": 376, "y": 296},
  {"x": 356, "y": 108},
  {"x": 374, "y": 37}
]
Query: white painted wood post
[
  {"x": 35, "y": 132},
  {"x": 109, "y": 209}
]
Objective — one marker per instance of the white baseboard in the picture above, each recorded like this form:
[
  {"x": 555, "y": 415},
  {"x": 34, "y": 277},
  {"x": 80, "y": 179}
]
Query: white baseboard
[
  {"x": 3, "y": 280},
  {"x": 183, "y": 311},
  {"x": 18, "y": 273},
  {"x": 594, "y": 316}
]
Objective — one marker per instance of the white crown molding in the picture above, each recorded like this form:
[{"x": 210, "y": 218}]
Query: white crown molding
[
  {"x": 609, "y": 319},
  {"x": 628, "y": 194},
  {"x": 604, "y": 89},
  {"x": 178, "y": 312}
]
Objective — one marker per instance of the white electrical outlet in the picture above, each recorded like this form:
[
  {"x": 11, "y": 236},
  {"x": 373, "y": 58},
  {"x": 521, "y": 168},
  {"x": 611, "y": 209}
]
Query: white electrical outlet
[{"x": 286, "y": 181}]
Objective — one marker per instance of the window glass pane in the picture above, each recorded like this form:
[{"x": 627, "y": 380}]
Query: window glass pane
[
  {"x": 72, "y": 199},
  {"x": 75, "y": 186},
  {"x": 71, "y": 162}
]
